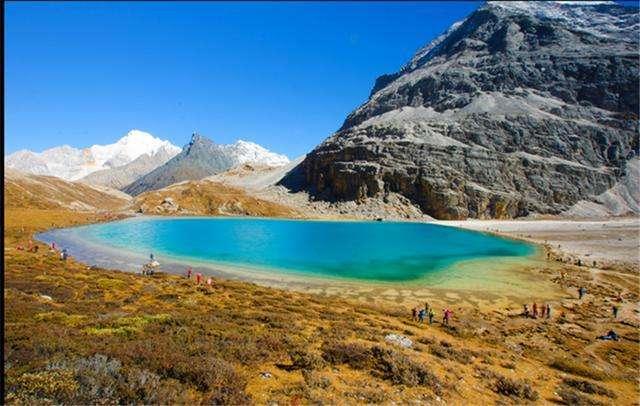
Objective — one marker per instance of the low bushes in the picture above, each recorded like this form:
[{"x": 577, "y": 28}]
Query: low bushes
[
  {"x": 573, "y": 367},
  {"x": 386, "y": 363},
  {"x": 56, "y": 385},
  {"x": 588, "y": 387},
  {"x": 355, "y": 355},
  {"x": 445, "y": 351},
  {"x": 574, "y": 398},
  {"x": 515, "y": 388}
]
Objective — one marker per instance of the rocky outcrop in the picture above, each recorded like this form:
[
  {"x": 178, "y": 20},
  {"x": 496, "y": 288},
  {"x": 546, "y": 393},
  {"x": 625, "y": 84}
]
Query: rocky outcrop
[{"x": 520, "y": 108}]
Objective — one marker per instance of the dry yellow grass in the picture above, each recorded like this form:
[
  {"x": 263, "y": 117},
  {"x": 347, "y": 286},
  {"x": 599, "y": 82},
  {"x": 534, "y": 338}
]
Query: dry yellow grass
[
  {"x": 208, "y": 198},
  {"x": 48, "y": 192},
  {"x": 75, "y": 335}
]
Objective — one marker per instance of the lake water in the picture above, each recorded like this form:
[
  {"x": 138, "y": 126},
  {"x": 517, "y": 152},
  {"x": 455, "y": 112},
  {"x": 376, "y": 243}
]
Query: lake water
[{"x": 373, "y": 251}]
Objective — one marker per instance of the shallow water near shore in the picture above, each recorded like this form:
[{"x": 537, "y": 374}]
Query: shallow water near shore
[{"x": 290, "y": 252}]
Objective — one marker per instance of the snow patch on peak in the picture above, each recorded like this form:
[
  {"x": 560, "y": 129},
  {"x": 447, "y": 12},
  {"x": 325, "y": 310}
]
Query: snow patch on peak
[
  {"x": 584, "y": 3},
  {"x": 71, "y": 163},
  {"x": 579, "y": 15},
  {"x": 249, "y": 152}
]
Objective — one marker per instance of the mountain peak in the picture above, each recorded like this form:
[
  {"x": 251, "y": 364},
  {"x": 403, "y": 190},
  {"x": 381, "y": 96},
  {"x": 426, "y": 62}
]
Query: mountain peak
[
  {"x": 195, "y": 137},
  {"x": 202, "y": 157},
  {"x": 71, "y": 163},
  {"x": 541, "y": 88}
]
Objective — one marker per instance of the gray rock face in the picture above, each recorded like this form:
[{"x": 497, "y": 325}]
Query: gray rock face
[
  {"x": 198, "y": 159},
  {"x": 122, "y": 176},
  {"x": 522, "y": 107}
]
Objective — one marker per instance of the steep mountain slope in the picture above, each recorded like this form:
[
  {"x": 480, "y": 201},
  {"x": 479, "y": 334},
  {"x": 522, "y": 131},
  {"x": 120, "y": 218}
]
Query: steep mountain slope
[
  {"x": 198, "y": 159},
  {"x": 48, "y": 192},
  {"x": 118, "y": 178},
  {"x": 201, "y": 158},
  {"x": 72, "y": 164},
  {"x": 522, "y": 107},
  {"x": 623, "y": 199}
]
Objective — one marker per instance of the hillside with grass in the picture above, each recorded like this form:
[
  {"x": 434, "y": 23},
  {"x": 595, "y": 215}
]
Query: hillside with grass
[
  {"x": 80, "y": 335},
  {"x": 206, "y": 197},
  {"x": 23, "y": 190}
]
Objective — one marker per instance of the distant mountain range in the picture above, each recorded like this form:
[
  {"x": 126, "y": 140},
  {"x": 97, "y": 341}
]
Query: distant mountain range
[
  {"x": 521, "y": 108},
  {"x": 201, "y": 158},
  {"x": 139, "y": 161},
  {"x": 73, "y": 164},
  {"x": 121, "y": 176}
]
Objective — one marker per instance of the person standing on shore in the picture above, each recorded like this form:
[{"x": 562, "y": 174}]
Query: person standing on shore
[
  {"x": 548, "y": 311},
  {"x": 446, "y": 317},
  {"x": 615, "y": 311},
  {"x": 421, "y": 314},
  {"x": 525, "y": 312},
  {"x": 431, "y": 314},
  {"x": 543, "y": 310},
  {"x": 535, "y": 310},
  {"x": 581, "y": 292},
  {"x": 414, "y": 314},
  {"x": 189, "y": 271}
]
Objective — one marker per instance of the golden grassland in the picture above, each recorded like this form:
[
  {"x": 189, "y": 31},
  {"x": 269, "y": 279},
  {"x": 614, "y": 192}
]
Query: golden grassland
[
  {"x": 205, "y": 197},
  {"x": 48, "y": 192},
  {"x": 76, "y": 335}
]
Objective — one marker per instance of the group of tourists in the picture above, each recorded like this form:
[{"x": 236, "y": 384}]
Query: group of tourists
[
  {"x": 418, "y": 314},
  {"x": 31, "y": 247},
  {"x": 151, "y": 267},
  {"x": 198, "y": 278},
  {"x": 542, "y": 311}
]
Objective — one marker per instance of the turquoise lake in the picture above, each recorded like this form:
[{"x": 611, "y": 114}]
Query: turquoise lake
[{"x": 376, "y": 251}]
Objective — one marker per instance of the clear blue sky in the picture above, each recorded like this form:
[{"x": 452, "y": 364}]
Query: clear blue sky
[{"x": 284, "y": 75}]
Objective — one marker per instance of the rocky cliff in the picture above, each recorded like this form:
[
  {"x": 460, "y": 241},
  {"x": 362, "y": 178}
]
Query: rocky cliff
[{"x": 520, "y": 108}]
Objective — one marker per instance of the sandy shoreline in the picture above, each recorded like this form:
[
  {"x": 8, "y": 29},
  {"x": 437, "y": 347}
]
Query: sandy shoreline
[
  {"x": 476, "y": 281},
  {"x": 607, "y": 242}
]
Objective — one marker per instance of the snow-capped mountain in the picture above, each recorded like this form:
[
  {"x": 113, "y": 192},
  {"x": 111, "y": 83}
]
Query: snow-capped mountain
[
  {"x": 200, "y": 158},
  {"x": 72, "y": 163},
  {"x": 248, "y": 152}
]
